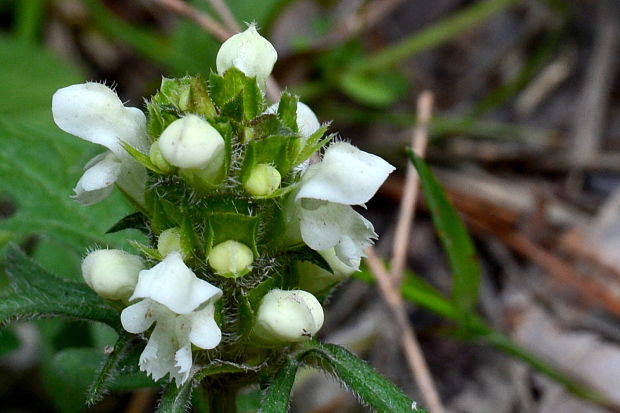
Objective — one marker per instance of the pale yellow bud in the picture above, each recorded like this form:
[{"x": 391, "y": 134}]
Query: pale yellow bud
[
  {"x": 168, "y": 241},
  {"x": 231, "y": 259},
  {"x": 263, "y": 180}
]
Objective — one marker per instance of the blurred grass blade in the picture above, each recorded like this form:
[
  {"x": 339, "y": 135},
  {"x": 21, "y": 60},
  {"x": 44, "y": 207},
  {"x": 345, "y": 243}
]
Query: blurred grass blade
[
  {"x": 454, "y": 239},
  {"x": 36, "y": 293},
  {"x": 277, "y": 396},
  {"x": 371, "y": 387},
  {"x": 28, "y": 18},
  {"x": 435, "y": 35}
]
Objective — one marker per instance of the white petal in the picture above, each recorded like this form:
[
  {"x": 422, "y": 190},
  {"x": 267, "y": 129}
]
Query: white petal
[
  {"x": 157, "y": 359},
  {"x": 307, "y": 122},
  {"x": 183, "y": 364},
  {"x": 98, "y": 180},
  {"x": 174, "y": 285},
  {"x": 132, "y": 180},
  {"x": 205, "y": 332},
  {"x": 94, "y": 112},
  {"x": 325, "y": 225},
  {"x": 345, "y": 264},
  {"x": 345, "y": 175},
  {"x": 137, "y": 318}
]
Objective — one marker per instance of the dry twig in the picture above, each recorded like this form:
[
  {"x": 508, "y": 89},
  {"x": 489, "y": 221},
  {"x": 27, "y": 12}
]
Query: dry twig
[
  {"x": 419, "y": 141},
  {"x": 222, "y": 10},
  {"x": 205, "y": 21},
  {"x": 354, "y": 23},
  {"x": 409, "y": 342},
  {"x": 389, "y": 284}
]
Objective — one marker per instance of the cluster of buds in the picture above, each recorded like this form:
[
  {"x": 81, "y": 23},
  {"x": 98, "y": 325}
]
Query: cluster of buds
[{"x": 246, "y": 235}]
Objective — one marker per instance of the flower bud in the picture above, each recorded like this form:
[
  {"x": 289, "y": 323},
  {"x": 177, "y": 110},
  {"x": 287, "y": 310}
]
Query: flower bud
[
  {"x": 263, "y": 180},
  {"x": 249, "y": 52},
  {"x": 158, "y": 159},
  {"x": 288, "y": 316},
  {"x": 169, "y": 240},
  {"x": 231, "y": 259},
  {"x": 191, "y": 142},
  {"x": 113, "y": 274}
]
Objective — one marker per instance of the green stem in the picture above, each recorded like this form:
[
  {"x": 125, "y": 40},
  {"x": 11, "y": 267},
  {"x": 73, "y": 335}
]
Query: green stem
[{"x": 223, "y": 399}]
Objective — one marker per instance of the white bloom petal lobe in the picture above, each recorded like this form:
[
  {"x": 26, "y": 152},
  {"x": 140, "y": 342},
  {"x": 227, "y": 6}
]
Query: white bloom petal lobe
[{"x": 345, "y": 175}]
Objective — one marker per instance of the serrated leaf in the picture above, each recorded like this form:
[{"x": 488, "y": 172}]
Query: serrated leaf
[
  {"x": 39, "y": 164},
  {"x": 108, "y": 370},
  {"x": 287, "y": 111},
  {"x": 370, "y": 386},
  {"x": 314, "y": 143},
  {"x": 253, "y": 101},
  {"x": 276, "y": 398},
  {"x": 231, "y": 226},
  {"x": 225, "y": 88},
  {"x": 142, "y": 158},
  {"x": 36, "y": 293},
  {"x": 279, "y": 151},
  {"x": 454, "y": 239}
]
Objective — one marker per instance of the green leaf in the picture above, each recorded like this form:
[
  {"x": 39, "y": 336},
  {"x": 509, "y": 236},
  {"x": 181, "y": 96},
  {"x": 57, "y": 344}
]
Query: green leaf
[
  {"x": 108, "y": 370},
  {"x": 287, "y": 111},
  {"x": 314, "y": 143},
  {"x": 177, "y": 399},
  {"x": 33, "y": 75},
  {"x": 39, "y": 164},
  {"x": 35, "y": 293},
  {"x": 454, "y": 239},
  {"x": 276, "y": 397},
  {"x": 371, "y": 387},
  {"x": 373, "y": 89},
  {"x": 231, "y": 226},
  {"x": 225, "y": 88}
]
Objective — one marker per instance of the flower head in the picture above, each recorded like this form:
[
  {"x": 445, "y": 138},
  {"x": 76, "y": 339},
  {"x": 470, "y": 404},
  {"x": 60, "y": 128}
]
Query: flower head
[{"x": 182, "y": 306}]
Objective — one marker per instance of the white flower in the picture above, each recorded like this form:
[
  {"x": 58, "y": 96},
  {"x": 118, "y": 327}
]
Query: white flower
[
  {"x": 249, "y": 52},
  {"x": 322, "y": 206},
  {"x": 288, "y": 316},
  {"x": 93, "y": 112},
  {"x": 182, "y": 306},
  {"x": 112, "y": 274}
]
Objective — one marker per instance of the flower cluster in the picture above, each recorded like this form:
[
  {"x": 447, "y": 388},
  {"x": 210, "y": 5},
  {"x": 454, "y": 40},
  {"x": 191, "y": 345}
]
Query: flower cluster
[{"x": 246, "y": 234}]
